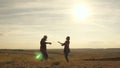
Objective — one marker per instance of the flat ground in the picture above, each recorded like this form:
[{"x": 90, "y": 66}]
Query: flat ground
[{"x": 79, "y": 58}]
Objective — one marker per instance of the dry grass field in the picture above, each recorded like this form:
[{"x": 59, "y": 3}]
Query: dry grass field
[{"x": 79, "y": 58}]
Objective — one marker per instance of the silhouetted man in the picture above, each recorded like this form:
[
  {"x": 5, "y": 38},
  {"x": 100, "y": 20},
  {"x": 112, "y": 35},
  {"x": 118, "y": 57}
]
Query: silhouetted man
[
  {"x": 66, "y": 47},
  {"x": 43, "y": 47}
]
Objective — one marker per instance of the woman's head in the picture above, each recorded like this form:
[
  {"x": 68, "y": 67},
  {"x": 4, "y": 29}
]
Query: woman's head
[{"x": 67, "y": 38}]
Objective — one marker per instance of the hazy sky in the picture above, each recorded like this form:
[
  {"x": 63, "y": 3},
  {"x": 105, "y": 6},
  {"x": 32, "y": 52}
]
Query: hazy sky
[{"x": 24, "y": 22}]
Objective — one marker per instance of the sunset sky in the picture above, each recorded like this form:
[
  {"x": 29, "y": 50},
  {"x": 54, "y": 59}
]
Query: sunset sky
[{"x": 89, "y": 23}]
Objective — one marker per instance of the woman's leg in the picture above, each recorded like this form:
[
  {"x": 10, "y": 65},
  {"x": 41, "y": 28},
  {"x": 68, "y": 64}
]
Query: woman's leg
[{"x": 66, "y": 56}]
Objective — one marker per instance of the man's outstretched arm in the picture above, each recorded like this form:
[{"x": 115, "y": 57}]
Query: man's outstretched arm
[{"x": 48, "y": 42}]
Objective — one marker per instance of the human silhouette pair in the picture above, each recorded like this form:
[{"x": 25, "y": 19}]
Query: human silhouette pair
[{"x": 43, "y": 47}]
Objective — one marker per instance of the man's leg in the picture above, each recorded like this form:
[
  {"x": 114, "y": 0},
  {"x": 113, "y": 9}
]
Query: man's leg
[{"x": 46, "y": 56}]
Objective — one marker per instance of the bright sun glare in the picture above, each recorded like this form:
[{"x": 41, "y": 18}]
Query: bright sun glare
[{"x": 80, "y": 12}]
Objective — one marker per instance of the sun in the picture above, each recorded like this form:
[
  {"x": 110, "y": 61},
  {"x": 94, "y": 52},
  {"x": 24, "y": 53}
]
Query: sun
[{"x": 80, "y": 12}]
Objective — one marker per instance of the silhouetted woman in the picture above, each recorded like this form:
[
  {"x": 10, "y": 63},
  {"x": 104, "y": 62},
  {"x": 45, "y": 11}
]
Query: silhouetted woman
[{"x": 66, "y": 47}]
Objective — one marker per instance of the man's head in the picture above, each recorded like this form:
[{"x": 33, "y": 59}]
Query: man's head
[{"x": 45, "y": 37}]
